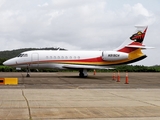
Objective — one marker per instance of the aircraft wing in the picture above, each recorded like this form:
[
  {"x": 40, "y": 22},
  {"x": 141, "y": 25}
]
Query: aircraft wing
[{"x": 86, "y": 67}]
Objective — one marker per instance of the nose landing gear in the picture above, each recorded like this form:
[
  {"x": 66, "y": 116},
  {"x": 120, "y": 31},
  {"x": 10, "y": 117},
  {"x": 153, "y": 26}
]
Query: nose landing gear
[{"x": 28, "y": 70}]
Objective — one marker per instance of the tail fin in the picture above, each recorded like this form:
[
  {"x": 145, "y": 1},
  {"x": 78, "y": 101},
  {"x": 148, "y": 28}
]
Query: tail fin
[{"x": 135, "y": 41}]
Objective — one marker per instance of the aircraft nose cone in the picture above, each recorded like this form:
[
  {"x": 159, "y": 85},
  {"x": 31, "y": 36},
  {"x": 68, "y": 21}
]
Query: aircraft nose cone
[
  {"x": 5, "y": 63},
  {"x": 9, "y": 62}
]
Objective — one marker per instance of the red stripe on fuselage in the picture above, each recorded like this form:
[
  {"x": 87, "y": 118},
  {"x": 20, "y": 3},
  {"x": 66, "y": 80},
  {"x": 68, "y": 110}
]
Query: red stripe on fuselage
[{"x": 129, "y": 49}]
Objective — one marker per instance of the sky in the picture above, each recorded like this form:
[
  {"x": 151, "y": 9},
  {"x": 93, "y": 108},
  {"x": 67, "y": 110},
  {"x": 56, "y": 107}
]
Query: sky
[{"x": 79, "y": 24}]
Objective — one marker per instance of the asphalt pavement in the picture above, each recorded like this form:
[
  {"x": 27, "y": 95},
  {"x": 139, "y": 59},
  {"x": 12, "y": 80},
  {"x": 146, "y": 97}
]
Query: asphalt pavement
[{"x": 63, "y": 95}]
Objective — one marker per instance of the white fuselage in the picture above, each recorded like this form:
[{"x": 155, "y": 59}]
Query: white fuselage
[{"x": 64, "y": 59}]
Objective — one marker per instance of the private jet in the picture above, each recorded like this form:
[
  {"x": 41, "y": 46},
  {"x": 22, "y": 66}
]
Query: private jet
[{"x": 130, "y": 51}]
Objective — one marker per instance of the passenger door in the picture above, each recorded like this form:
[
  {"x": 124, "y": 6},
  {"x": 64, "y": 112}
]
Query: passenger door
[{"x": 35, "y": 60}]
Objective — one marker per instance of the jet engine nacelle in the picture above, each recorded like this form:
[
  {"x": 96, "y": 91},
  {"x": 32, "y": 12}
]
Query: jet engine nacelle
[{"x": 114, "y": 55}]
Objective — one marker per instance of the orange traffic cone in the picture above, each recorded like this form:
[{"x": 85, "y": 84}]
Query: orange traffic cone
[
  {"x": 126, "y": 78},
  {"x": 94, "y": 72},
  {"x": 118, "y": 77}
]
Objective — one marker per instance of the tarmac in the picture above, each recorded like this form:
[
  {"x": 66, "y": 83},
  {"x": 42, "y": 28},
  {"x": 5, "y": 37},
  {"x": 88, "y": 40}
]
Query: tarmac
[{"x": 65, "y": 96}]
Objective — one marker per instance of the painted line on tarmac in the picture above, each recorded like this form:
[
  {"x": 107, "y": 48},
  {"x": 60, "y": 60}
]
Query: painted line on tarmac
[{"x": 29, "y": 110}]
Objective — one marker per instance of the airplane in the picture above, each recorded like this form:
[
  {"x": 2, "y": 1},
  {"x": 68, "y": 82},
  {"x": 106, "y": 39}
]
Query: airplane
[{"x": 130, "y": 51}]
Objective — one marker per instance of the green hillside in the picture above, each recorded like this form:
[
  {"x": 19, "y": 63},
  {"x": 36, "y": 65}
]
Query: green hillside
[{"x": 12, "y": 53}]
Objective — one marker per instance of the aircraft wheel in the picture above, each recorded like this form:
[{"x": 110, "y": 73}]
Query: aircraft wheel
[
  {"x": 83, "y": 73},
  {"x": 28, "y": 75}
]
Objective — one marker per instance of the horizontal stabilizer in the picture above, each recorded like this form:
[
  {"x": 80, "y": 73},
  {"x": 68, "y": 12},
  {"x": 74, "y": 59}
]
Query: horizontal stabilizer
[{"x": 139, "y": 46}]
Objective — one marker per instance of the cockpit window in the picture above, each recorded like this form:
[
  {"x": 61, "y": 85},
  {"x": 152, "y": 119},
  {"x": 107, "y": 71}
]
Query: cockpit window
[
  {"x": 25, "y": 55},
  {"x": 18, "y": 55},
  {"x": 22, "y": 55}
]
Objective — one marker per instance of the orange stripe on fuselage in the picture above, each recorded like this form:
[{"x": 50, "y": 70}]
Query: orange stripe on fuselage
[{"x": 98, "y": 60}]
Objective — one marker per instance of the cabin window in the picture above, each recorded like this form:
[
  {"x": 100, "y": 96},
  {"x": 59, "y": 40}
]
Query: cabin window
[
  {"x": 58, "y": 57},
  {"x": 70, "y": 57},
  {"x": 66, "y": 57}
]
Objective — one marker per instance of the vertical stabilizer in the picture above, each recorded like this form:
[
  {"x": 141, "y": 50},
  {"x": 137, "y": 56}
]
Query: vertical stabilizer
[{"x": 135, "y": 41}]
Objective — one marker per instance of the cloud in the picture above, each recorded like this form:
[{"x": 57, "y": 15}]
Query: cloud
[
  {"x": 139, "y": 13},
  {"x": 43, "y": 5},
  {"x": 138, "y": 9}
]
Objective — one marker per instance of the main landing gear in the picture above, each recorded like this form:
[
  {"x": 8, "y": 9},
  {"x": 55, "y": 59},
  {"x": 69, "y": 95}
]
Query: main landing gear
[{"x": 83, "y": 73}]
